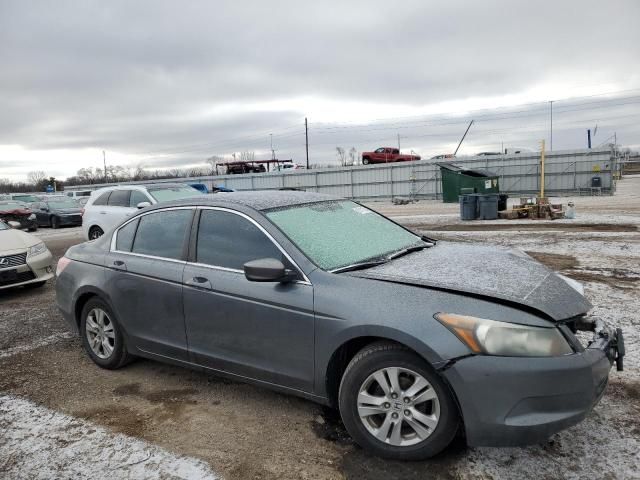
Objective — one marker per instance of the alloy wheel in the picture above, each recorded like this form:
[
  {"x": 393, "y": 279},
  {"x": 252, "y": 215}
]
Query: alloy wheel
[
  {"x": 100, "y": 333},
  {"x": 398, "y": 406}
]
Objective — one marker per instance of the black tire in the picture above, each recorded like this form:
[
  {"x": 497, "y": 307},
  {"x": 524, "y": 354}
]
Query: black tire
[
  {"x": 95, "y": 232},
  {"x": 119, "y": 356},
  {"x": 35, "y": 285},
  {"x": 365, "y": 161},
  {"x": 55, "y": 222},
  {"x": 383, "y": 355}
]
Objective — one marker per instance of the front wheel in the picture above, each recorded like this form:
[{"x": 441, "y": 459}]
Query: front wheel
[
  {"x": 95, "y": 232},
  {"x": 395, "y": 405},
  {"x": 365, "y": 161}
]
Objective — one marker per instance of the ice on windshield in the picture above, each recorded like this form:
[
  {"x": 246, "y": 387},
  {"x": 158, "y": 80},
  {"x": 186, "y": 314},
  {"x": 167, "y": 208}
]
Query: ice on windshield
[
  {"x": 173, "y": 193},
  {"x": 339, "y": 233}
]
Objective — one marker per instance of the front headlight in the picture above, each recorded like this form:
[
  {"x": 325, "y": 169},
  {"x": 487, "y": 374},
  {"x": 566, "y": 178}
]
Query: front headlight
[
  {"x": 491, "y": 337},
  {"x": 37, "y": 249}
]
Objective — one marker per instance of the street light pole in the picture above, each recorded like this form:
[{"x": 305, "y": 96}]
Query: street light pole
[{"x": 551, "y": 134}]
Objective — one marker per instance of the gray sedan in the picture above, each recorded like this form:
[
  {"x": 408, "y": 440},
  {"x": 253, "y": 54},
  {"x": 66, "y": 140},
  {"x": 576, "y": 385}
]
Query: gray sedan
[{"x": 324, "y": 298}]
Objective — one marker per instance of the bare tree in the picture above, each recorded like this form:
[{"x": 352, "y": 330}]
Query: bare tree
[
  {"x": 212, "y": 160},
  {"x": 341, "y": 155},
  {"x": 36, "y": 177},
  {"x": 247, "y": 156},
  {"x": 353, "y": 156}
]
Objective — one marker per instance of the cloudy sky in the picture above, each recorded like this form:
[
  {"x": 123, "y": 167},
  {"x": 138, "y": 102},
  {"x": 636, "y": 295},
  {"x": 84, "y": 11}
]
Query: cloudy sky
[{"x": 169, "y": 83}]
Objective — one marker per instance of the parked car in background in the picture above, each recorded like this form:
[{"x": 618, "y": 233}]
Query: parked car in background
[
  {"x": 288, "y": 167},
  {"x": 77, "y": 194},
  {"x": 443, "y": 156},
  {"x": 221, "y": 188},
  {"x": 16, "y": 211},
  {"x": 201, "y": 187},
  {"x": 110, "y": 205},
  {"x": 27, "y": 198},
  {"x": 324, "y": 298},
  {"x": 57, "y": 211},
  {"x": 24, "y": 259},
  {"x": 488, "y": 154},
  {"x": 386, "y": 155}
]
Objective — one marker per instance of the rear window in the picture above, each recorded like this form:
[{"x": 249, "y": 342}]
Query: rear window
[
  {"x": 119, "y": 198},
  {"x": 162, "y": 234},
  {"x": 124, "y": 240},
  {"x": 102, "y": 199}
]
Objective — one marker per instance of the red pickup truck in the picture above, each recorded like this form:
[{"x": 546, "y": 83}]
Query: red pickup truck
[{"x": 386, "y": 155}]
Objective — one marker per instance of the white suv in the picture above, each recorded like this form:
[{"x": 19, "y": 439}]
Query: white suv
[{"x": 108, "y": 206}]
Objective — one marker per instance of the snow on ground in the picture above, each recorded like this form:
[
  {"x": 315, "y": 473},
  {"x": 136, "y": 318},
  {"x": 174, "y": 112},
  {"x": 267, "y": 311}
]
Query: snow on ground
[{"x": 38, "y": 443}]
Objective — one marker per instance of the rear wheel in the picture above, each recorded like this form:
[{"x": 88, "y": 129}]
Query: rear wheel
[
  {"x": 395, "y": 405},
  {"x": 102, "y": 336},
  {"x": 95, "y": 232}
]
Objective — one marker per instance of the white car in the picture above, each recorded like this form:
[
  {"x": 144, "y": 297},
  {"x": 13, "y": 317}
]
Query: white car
[
  {"x": 108, "y": 206},
  {"x": 24, "y": 259}
]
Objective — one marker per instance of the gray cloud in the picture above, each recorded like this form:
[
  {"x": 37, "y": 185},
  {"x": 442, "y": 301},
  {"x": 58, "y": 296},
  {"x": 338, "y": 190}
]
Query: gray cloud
[{"x": 138, "y": 77}]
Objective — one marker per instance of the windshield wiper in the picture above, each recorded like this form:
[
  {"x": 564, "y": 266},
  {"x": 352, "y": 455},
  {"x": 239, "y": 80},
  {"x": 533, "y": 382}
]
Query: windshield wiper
[
  {"x": 406, "y": 251},
  {"x": 359, "y": 266}
]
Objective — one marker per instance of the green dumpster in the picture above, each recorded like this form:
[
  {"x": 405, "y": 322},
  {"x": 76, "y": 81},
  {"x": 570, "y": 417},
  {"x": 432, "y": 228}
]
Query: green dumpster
[{"x": 457, "y": 181}]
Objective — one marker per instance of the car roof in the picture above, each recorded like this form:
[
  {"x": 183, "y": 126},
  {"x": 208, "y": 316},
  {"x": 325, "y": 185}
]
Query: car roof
[
  {"x": 141, "y": 186},
  {"x": 256, "y": 199}
]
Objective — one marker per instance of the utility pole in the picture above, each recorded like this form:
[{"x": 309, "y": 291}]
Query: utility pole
[
  {"x": 542, "y": 171},
  {"x": 306, "y": 139},
  {"x": 588, "y": 138},
  {"x": 398, "y": 141},
  {"x": 273, "y": 153},
  {"x": 104, "y": 161},
  {"x": 551, "y": 134}
]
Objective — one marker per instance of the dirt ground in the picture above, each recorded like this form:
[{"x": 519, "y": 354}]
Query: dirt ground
[{"x": 54, "y": 402}]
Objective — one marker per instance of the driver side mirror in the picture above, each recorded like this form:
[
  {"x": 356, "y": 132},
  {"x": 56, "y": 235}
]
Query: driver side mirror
[
  {"x": 268, "y": 270},
  {"x": 44, "y": 209},
  {"x": 143, "y": 205}
]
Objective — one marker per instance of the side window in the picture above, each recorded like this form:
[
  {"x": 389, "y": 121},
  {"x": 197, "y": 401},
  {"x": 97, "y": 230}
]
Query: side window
[
  {"x": 124, "y": 240},
  {"x": 162, "y": 234},
  {"x": 229, "y": 240},
  {"x": 119, "y": 198},
  {"x": 137, "y": 197},
  {"x": 380, "y": 150},
  {"x": 102, "y": 199}
]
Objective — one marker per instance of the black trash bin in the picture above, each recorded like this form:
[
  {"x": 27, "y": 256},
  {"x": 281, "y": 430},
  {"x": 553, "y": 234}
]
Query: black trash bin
[
  {"x": 488, "y": 207},
  {"x": 502, "y": 201},
  {"x": 468, "y": 207}
]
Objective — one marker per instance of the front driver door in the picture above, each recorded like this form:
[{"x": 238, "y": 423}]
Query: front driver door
[{"x": 263, "y": 331}]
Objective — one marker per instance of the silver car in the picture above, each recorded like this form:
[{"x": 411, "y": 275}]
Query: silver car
[
  {"x": 24, "y": 259},
  {"x": 320, "y": 297}
]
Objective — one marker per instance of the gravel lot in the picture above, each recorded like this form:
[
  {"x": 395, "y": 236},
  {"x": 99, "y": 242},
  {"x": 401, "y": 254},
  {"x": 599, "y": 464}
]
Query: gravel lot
[{"x": 61, "y": 416}]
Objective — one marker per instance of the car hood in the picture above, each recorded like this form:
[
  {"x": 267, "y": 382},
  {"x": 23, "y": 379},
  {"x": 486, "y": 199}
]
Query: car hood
[
  {"x": 11, "y": 240},
  {"x": 16, "y": 211},
  {"x": 494, "y": 272}
]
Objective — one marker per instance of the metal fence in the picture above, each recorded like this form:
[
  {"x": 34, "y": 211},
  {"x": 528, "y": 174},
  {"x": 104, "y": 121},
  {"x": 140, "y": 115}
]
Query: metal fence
[{"x": 567, "y": 172}]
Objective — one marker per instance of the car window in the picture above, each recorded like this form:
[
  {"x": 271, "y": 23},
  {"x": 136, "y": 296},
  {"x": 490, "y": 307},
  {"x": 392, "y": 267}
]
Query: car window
[
  {"x": 102, "y": 199},
  {"x": 137, "y": 197},
  {"x": 124, "y": 240},
  {"x": 380, "y": 150},
  {"x": 165, "y": 194},
  {"x": 119, "y": 198},
  {"x": 162, "y": 234},
  {"x": 229, "y": 240}
]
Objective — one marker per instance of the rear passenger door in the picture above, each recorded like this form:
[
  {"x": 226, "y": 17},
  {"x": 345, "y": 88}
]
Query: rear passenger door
[
  {"x": 263, "y": 331},
  {"x": 144, "y": 280},
  {"x": 118, "y": 208}
]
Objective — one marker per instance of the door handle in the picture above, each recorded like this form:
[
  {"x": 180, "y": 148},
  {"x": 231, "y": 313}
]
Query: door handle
[
  {"x": 119, "y": 264},
  {"x": 200, "y": 282}
]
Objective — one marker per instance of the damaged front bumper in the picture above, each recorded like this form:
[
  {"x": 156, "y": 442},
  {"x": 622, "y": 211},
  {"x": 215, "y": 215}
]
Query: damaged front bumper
[{"x": 514, "y": 401}]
